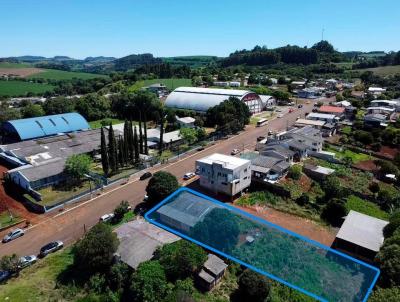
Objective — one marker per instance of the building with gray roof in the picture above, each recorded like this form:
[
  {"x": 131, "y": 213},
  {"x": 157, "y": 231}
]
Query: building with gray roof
[
  {"x": 201, "y": 99},
  {"x": 360, "y": 235}
]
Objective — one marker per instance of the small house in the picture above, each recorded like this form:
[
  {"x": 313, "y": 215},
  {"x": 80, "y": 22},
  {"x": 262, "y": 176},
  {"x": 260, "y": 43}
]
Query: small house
[{"x": 212, "y": 272}]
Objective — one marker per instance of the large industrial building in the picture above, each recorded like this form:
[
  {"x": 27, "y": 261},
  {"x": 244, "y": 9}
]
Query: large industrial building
[
  {"x": 36, "y": 127},
  {"x": 201, "y": 99}
]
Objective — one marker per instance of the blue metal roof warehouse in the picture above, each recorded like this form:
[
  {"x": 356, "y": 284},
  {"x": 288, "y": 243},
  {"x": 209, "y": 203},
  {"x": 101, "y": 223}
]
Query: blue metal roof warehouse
[{"x": 42, "y": 126}]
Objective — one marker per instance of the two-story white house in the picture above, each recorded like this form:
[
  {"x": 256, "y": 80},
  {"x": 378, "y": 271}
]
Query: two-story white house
[{"x": 224, "y": 174}]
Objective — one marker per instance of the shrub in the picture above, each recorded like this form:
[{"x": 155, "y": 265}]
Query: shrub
[
  {"x": 334, "y": 211},
  {"x": 253, "y": 286},
  {"x": 392, "y": 226},
  {"x": 295, "y": 172},
  {"x": 121, "y": 210}
]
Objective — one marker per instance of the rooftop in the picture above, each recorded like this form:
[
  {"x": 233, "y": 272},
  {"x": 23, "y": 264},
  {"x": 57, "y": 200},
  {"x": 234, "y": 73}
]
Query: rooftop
[
  {"x": 302, "y": 121},
  {"x": 332, "y": 109},
  {"x": 215, "y": 265},
  {"x": 363, "y": 230},
  {"x": 320, "y": 115},
  {"x": 229, "y": 162}
]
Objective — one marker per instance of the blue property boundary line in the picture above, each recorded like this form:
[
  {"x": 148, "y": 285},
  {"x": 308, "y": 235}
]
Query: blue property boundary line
[{"x": 244, "y": 213}]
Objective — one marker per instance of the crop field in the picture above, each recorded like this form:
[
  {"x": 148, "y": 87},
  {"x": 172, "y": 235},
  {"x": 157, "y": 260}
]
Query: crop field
[
  {"x": 383, "y": 70},
  {"x": 52, "y": 74},
  {"x": 170, "y": 83},
  {"x": 14, "y": 65},
  {"x": 19, "y": 88}
]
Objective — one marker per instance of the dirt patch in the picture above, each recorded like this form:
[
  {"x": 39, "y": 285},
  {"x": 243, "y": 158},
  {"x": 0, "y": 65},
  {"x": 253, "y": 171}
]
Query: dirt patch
[
  {"x": 299, "y": 225},
  {"x": 366, "y": 165},
  {"x": 20, "y": 72},
  {"x": 388, "y": 152},
  {"x": 9, "y": 203}
]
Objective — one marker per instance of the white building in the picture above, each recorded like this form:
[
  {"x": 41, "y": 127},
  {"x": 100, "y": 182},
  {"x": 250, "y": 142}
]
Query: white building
[
  {"x": 186, "y": 121},
  {"x": 329, "y": 118},
  {"x": 224, "y": 174},
  {"x": 201, "y": 99},
  {"x": 376, "y": 90}
]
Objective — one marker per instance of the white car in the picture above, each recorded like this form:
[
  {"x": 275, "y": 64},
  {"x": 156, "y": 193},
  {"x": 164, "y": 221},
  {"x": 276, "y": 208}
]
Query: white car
[
  {"x": 14, "y": 234},
  {"x": 280, "y": 115},
  {"x": 189, "y": 175},
  {"x": 235, "y": 151},
  {"x": 107, "y": 217},
  {"x": 27, "y": 261}
]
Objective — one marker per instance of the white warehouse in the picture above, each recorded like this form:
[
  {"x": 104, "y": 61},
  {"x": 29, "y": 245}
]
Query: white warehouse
[
  {"x": 224, "y": 174},
  {"x": 201, "y": 99}
]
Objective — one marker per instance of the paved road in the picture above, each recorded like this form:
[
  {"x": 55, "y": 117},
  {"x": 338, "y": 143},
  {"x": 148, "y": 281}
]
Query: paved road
[{"x": 71, "y": 224}]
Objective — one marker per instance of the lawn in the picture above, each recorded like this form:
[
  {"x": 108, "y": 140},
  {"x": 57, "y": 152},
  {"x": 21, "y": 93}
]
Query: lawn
[
  {"x": 20, "y": 88},
  {"x": 170, "y": 83},
  {"x": 355, "y": 156},
  {"x": 53, "y": 195},
  {"x": 53, "y": 74},
  {"x": 365, "y": 207},
  {"x": 97, "y": 124},
  {"x": 39, "y": 282}
]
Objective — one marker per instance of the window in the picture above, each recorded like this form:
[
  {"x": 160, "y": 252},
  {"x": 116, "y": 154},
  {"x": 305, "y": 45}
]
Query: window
[
  {"x": 244, "y": 178},
  {"x": 224, "y": 183},
  {"x": 245, "y": 170}
]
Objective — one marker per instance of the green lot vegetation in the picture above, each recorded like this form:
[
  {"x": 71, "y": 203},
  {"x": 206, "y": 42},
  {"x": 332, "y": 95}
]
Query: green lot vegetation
[
  {"x": 21, "y": 88},
  {"x": 53, "y": 74},
  {"x": 14, "y": 65},
  {"x": 383, "y": 70},
  {"x": 171, "y": 84},
  {"x": 365, "y": 207},
  {"x": 348, "y": 154},
  {"x": 6, "y": 220},
  {"x": 104, "y": 122}
]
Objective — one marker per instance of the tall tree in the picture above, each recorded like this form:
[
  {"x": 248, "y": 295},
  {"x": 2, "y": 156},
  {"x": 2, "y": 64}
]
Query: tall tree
[
  {"x": 161, "y": 143},
  {"x": 104, "y": 154},
  {"x": 121, "y": 156},
  {"x": 130, "y": 143},
  {"x": 146, "y": 148},
  {"x": 126, "y": 139},
  {"x": 112, "y": 150},
  {"x": 136, "y": 145},
  {"x": 140, "y": 133}
]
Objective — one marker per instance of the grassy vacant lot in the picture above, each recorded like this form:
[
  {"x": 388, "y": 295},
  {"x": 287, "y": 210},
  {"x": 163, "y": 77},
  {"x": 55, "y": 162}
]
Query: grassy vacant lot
[
  {"x": 39, "y": 282},
  {"x": 170, "y": 83},
  {"x": 97, "y": 124},
  {"x": 52, "y": 74},
  {"x": 5, "y": 219},
  {"x": 366, "y": 207},
  {"x": 19, "y": 88},
  {"x": 383, "y": 70}
]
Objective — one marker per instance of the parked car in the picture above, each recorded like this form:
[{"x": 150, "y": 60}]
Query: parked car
[
  {"x": 51, "y": 248},
  {"x": 270, "y": 132},
  {"x": 200, "y": 148},
  {"x": 291, "y": 110},
  {"x": 315, "y": 110},
  {"x": 4, "y": 275},
  {"x": 189, "y": 175},
  {"x": 300, "y": 106},
  {"x": 145, "y": 197},
  {"x": 106, "y": 217},
  {"x": 279, "y": 115},
  {"x": 235, "y": 151},
  {"x": 260, "y": 138},
  {"x": 146, "y": 175},
  {"x": 14, "y": 234},
  {"x": 27, "y": 261}
]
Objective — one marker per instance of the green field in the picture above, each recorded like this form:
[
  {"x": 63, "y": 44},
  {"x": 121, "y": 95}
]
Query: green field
[
  {"x": 365, "y": 207},
  {"x": 383, "y": 70},
  {"x": 192, "y": 61},
  {"x": 170, "y": 83},
  {"x": 52, "y": 74},
  {"x": 19, "y": 88},
  {"x": 14, "y": 65}
]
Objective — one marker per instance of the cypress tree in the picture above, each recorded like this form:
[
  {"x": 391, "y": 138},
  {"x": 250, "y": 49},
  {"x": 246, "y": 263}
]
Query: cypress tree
[
  {"x": 112, "y": 150},
  {"x": 131, "y": 144},
  {"x": 135, "y": 142},
  {"x": 140, "y": 133},
  {"x": 146, "y": 149},
  {"x": 120, "y": 152},
  {"x": 104, "y": 153},
  {"x": 126, "y": 141},
  {"x": 161, "y": 144}
]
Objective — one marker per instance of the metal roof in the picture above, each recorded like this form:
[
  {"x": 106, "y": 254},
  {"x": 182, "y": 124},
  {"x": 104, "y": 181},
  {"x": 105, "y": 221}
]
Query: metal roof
[
  {"x": 363, "y": 230},
  {"x": 36, "y": 127},
  {"x": 201, "y": 99}
]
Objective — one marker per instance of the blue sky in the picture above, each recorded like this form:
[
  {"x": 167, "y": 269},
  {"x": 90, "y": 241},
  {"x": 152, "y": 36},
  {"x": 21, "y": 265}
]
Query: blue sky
[{"x": 80, "y": 28}]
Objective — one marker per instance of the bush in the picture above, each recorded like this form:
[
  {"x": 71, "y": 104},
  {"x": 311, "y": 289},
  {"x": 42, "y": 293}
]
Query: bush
[
  {"x": 303, "y": 199},
  {"x": 295, "y": 172},
  {"x": 386, "y": 295},
  {"x": 334, "y": 212},
  {"x": 389, "y": 263},
  {"x": 149, "y": 282},
  {"x": 392, "y": 226},
  {"x": 333, "y": 188},
  {"x": 253, "y": 286},
  {"x": 121, "y": 210}
]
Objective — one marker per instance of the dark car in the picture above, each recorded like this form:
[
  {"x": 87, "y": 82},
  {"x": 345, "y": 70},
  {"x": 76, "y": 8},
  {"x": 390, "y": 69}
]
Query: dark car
[
  {"x": 315, "y": 110},
  {"x": 200, "y": 148},
  {"x": 260, "y": 138},
  {"x": 50, "y": 248},
  {"x": 4, "y": 275},
  {"x": 145, "y": 175},
  {"x": 300, "y": 106}
]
